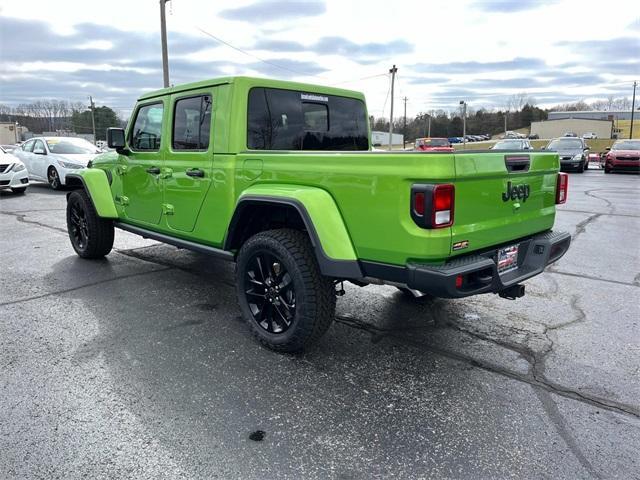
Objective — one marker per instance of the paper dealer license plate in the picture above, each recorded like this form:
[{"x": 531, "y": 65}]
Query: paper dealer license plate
[{"x": 507, "y": 259}]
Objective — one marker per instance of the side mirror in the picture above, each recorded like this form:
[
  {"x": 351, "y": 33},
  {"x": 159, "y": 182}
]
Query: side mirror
[
  {"x": 39, "y": 152},
  {"x": 115, "y": 138}
]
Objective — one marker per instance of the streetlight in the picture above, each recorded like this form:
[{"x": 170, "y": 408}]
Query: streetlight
[{"x": 464, "y": 124}]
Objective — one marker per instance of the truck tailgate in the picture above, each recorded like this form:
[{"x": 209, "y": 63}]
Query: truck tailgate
[{"x": 502, "y": 196}]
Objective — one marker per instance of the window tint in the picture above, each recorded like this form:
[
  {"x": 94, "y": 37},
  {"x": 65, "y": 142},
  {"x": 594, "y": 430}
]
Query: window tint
[
  {"x": 27, "y": 147},
  {"x": 147, "y": 129},
  {"x": 192, "y": 123},
  {"x": 290, "y": 120}
]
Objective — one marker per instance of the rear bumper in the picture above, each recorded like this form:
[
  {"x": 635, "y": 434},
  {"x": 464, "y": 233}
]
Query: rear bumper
[{"x": 479, "y": 271}]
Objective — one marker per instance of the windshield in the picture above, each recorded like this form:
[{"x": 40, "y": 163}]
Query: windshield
[
  {"x": 71, "y": 146},
  {"x": 432, "y": 142},
  {"x": 565, "y": 144},
  {"x": 627, "y": 145},
  {"x": 508, "y": 145}
]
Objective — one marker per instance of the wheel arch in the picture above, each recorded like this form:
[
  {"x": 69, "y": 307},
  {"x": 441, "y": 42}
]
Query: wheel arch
[
  {"x": 96, "y": 183},
  {"x": 257, "y": 212}
]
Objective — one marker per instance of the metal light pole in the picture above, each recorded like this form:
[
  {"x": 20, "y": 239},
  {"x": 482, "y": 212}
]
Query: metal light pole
[
  {"x": 404, "y": 128},
  {"x": 464, "y": 123},
  {"x": 429, "y": 127},
  {"x": 163, "y": 33},
  {"x": 92, "y": 106},
  {"x": 633, "y": 106},
  {"x": 393, "y": 79}
]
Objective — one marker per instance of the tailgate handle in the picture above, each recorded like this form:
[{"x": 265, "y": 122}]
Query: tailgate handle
[{"x": 517, "y": 163}]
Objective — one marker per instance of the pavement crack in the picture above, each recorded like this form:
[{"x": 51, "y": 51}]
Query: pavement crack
[
  {"x": 21, "y": 218},
  {"x": 535, "y": 376},
  {"x": 80, "y": 287},
  {"x": 605, "y": 213},
  {"x": 582, "y": 226},
  {"x": 553, "y": 413},
  {"x": 636, "y": 280},
  {"x": 589, "y": 193}
]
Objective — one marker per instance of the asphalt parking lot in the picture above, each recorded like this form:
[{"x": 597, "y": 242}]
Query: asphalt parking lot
[{"x": 139, "y": 366}]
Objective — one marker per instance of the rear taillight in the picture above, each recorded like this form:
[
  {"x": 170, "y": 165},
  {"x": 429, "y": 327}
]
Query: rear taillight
[
  {"x": 562, "y": 188},
  {"x": 432, "y": 206}
]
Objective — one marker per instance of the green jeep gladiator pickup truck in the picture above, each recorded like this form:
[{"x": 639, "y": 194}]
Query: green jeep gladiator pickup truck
[{"x": 278, "y": 177}]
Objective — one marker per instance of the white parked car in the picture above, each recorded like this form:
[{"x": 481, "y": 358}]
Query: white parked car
[
  {"x": 13, "y": 174},
  {"x": 590, "y": 136},
  {"x": 50, "y": 159}
]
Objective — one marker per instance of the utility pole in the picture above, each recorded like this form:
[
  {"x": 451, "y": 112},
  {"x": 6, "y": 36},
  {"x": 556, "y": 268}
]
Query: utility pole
[
  {"x": 163, "y": 33},
  {"x": 633, "y": 106},
  {"x": 505, "y": 121},
  {"x": 393, "y": 79},
  {"x": 92, "y": 106},
  {"x": 464, "y": 123},
  {"x": 404, "y": 128},
  {"x": 429, "y": 127}
]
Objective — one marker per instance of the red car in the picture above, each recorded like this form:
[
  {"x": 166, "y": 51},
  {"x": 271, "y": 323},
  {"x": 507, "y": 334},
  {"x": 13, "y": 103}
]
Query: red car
[
  {"x": 433, "y": 145},
  {"x": 624, "y": 156}
]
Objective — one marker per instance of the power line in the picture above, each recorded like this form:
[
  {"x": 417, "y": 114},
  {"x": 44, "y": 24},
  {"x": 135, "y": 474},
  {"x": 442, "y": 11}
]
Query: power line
[
  {"x": 238, "y": 49},
  {"x": 384, "y": 105}
]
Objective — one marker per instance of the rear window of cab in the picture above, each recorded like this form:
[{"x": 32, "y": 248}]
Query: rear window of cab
[{"x": 280, "y": 119}]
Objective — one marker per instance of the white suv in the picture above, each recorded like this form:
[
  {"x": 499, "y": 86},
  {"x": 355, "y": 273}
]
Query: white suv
[{"x": 590, "y": 136}]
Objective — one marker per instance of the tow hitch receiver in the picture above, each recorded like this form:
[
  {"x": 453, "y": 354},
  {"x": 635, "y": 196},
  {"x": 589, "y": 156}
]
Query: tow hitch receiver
[{"x": 513, "y": 292}]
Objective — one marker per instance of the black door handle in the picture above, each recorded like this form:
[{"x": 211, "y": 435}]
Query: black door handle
[
  {"x": 153, "y": 170},
  {"x": 196, "y": 172}
]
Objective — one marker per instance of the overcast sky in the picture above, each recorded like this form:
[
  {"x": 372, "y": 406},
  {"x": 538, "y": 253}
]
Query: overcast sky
[{"x": 480, "y": 51}]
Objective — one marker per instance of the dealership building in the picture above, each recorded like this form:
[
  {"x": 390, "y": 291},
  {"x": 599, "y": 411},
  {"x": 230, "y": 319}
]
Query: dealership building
[
  {"x": 579, "y": 126},
  {"x": 593, "y": 115}
]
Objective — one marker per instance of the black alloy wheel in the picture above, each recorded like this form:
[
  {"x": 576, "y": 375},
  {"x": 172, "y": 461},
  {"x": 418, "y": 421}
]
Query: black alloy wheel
[
  {"x": 270, "y": 293},
  {"x": 78, "y": 226},
  {"x": 285, "y": 300},
  {"x": 91, "y": 236}
]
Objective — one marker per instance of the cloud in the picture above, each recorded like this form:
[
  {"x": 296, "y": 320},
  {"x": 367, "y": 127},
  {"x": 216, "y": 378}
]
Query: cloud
[
  {"x": 363, "y": 53},
  {"x": 595, "y": 50},
  {"x": 511, "y": 6},
  {"x": 518, "y": 63},
  {"x": 29, "y": 37},
  {"x": 285, "y": 68},
  {"x": 271, "y": 10}
]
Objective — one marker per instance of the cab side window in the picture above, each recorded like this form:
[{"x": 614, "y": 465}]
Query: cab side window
[
  {"x": 147, "y": 128},
  {"x": 192, "y": 123}
]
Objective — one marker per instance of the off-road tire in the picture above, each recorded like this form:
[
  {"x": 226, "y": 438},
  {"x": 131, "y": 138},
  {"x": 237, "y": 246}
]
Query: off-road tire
[
  {"x": 99, "y": 230},
  {"x": 315, "y": 299}
]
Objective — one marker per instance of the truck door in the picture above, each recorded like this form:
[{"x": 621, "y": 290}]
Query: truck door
[
  {"x": 141, "y": 168},
  {"x": 189, "y": 158}
]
